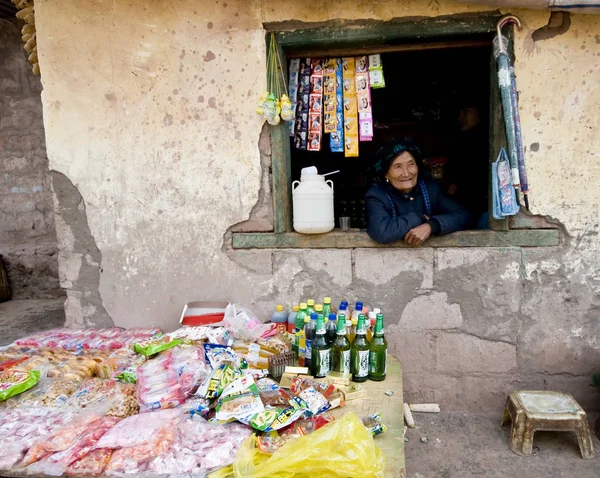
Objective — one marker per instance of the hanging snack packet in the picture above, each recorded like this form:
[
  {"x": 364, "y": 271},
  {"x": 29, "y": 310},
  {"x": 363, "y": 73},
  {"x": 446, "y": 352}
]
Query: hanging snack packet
[
  {"x": 374, "y": 424},
  {"x": 376, "y": 72},
  {"x": 155, "y": 344},
  {"x": 215, "y": 383},
  {"x": 240, "y": 399},
  {"x": 13, "y": 382}
]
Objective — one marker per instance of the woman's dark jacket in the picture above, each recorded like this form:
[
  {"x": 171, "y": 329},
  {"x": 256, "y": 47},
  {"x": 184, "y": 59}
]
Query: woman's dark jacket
[{"x": 391, "y": 214}]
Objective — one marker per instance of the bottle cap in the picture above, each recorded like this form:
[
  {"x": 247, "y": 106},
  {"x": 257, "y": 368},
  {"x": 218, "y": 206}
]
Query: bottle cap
[
  {"x": 314, "y": 316},
  {"x": 303, "y": 305},
  {"x": 332, "y": 317},
  {"x": 344, "y": 303},
  {"x": 372, "y": 315},
  {"x": 359, "y": 306},
  {"x": 377, "y": 310},
  {"x": 295, "y": 308},
  {"x": 279, "y": 308},
  {"x": 343, "y": 307},
  {"x": 354, "y": 321},
  {"x": 327, "y": 300},
  {"x": 319, "y": 307},
  {"x": 310, "y": 302},
  {"x": 306, "y": 320}
]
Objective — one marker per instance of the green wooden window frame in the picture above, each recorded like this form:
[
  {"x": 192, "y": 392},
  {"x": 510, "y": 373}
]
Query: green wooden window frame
[{"x": 379, "y": 36}]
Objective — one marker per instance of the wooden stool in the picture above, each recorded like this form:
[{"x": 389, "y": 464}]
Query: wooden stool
[{"x": 532, "y": 411}]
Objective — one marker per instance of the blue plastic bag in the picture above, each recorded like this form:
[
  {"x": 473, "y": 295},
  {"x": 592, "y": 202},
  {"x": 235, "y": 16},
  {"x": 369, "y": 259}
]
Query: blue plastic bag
[{"x": 504, "y": 198}]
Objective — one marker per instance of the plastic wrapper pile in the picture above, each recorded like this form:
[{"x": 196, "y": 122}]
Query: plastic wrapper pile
[{"x": 193, "y": 402}]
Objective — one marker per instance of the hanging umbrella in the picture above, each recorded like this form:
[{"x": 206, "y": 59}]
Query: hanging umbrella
[{"x": 512, "y": 123}]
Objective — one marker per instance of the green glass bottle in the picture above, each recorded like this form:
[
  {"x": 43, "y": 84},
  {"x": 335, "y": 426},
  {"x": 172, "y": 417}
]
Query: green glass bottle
[
  {"x": 300, "y": 315},
  {"x": 321, "y": 352},
  {"x": 378, "y": 352},
  {"x": 327, "y": 309},
  {"x": 359, "y": 352},
  {"x": 341, "y": 347}
]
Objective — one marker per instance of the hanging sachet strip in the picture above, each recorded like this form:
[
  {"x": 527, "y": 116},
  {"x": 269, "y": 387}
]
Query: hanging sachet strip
[
  {"x": 336, "y": 139},
  {"x": 376, "y": 72},
  {"x": 329, "y": 97},
  {"x": 315, "y": 108},
  {"x": 363, "y": 99},
  {"x": 301, "y": 128},
  {"x": 293, "y": 87},
  {"x": 350, "y": 107}
]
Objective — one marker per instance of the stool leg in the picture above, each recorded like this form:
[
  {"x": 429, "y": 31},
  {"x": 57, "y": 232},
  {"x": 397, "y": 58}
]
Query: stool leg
[
  {"x": 527, "y": 443},
  {"x": 517, "y": 433},
  {"x": 584, "y": 437}
]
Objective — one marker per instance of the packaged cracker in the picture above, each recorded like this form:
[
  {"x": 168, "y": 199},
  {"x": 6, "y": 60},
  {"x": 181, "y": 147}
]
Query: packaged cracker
[{"x": 14, "y": 382}]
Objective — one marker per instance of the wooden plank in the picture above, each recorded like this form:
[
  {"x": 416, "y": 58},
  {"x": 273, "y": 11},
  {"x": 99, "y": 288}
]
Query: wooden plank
[
  {"x": 281, "y": 164},
  {"x": 390, "y": 407},
  {"x": 497, "y": 140},
  {"x": 354, "y": 51},
  {"x": 359, "y": 239},
  {"x": 344, "y": 34}
]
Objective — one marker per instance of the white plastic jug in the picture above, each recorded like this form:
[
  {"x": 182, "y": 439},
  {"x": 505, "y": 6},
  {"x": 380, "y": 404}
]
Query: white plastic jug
[{"x": 313, "y": 204}]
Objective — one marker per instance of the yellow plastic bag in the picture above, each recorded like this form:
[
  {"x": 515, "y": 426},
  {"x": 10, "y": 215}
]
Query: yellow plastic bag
[{"x": 343, "y": 448}]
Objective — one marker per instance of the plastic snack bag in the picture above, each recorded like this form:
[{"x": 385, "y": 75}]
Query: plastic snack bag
[
  {"x": 215, "y": 383},
  {"x": 271, "y": 394},
  {"x": 13, "y": 382},
  {"x": 351, "y": 453},
  {"x": 191, "y": 366},
  {"x": 299, "y": 384},
  {"x": 158, "y": 384},
  {"x": 239, "y": 399},
  {"x": 317, "y": 403},
  {"x": 91, "y": 464},
  {"x": 221, "y": 354},
  {"x": 243, "y": 324},
  {"x": 155, "y": 344},
  {"x": 277, "y": 418}
]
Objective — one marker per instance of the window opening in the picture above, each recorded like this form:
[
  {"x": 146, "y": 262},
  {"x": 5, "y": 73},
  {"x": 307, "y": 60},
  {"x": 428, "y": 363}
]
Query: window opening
[{"x": 437, "y": 97}]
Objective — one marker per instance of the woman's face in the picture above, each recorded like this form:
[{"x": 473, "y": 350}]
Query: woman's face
[{"x": 403, "y": 172}]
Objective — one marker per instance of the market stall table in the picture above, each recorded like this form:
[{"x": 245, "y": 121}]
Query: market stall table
[{"x": 391, "y": 409}]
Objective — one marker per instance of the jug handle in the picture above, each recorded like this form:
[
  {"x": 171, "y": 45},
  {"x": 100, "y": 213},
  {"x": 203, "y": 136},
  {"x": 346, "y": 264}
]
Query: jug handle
[
  {"x": 330, "y": 182},
  {"x": 294, "y": 183}
]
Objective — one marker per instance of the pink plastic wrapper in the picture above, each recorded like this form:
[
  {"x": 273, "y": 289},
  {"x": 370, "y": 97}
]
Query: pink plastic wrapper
[
  {"x": 56, "y": 464},
  {"x": 91, "y": 464},
  {"x": 138, "y": 429},
  {"x": 158, "y": 384},
  {"x": 200, "y": 447},
  {"x": 21, "y": 428}
]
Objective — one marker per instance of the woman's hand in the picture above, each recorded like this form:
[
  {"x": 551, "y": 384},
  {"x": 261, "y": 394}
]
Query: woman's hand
[{"x": 418, "y": 235}]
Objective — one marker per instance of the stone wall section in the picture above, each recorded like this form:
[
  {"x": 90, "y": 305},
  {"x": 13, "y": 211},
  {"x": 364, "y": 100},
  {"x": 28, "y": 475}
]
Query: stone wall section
[{"x": 27, "y": 235}]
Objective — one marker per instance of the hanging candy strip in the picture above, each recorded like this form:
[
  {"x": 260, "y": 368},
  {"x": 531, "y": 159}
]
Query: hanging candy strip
[
  {"x": 329, "y": 96},
  {"x": 350, "y": 108}
]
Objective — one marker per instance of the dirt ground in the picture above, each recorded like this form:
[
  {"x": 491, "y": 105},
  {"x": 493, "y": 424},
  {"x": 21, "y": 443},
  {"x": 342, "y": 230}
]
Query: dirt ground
[
  {"x": 19, "y": 318},
  {"x": 474, "y": 445}
]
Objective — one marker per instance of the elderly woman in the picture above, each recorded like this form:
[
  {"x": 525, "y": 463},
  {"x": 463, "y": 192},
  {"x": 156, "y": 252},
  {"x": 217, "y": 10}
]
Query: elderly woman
[{"x": 403, "y": 205}]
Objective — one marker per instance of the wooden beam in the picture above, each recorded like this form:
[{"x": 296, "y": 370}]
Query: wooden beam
[
  {"x": 355, "y": 51},
  {"x": 368, "y": 33},
  {"x": 359, "y": 239}
]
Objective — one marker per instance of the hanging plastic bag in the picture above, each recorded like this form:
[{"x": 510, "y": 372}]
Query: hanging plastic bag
[
  {"x": 351, "y": 453},
  {"x": 287, "y": 113},
  {"x": 504, "y": 198},
  {"x": 243, "y": 324}
]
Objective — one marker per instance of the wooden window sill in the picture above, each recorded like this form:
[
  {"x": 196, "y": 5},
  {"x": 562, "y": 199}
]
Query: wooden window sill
[{"x": 359, "y": 239}]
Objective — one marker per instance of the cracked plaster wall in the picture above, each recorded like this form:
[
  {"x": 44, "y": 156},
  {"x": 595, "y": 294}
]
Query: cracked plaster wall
[{"x": 150, "y": 115}]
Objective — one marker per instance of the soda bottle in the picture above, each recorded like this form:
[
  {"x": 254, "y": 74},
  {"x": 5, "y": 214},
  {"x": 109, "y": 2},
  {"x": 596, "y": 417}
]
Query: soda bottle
[
  {"x": 351, "y": 328},
  {"x": 371, "y": 325},
  {"x": 310, "y": 326},
  {"x": 358, "y": 309},
  {"x": 359, "y": 352},
  {"x": 280, "y": 317},
  {"x": 319, "y": 308},
  {"x": 321, "y": 352},
  {"x": 327, "y": 309},
  {"x": 291, "y": 321},
  {"x": 378, "y": 352},
  {"x": 310, "y": 306},
  {"x": 299, "y": 332},
  {"x": 331, "y": 329},
  {"x": 341, "y": 346},
  {"x": 302, "y": 343}
]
